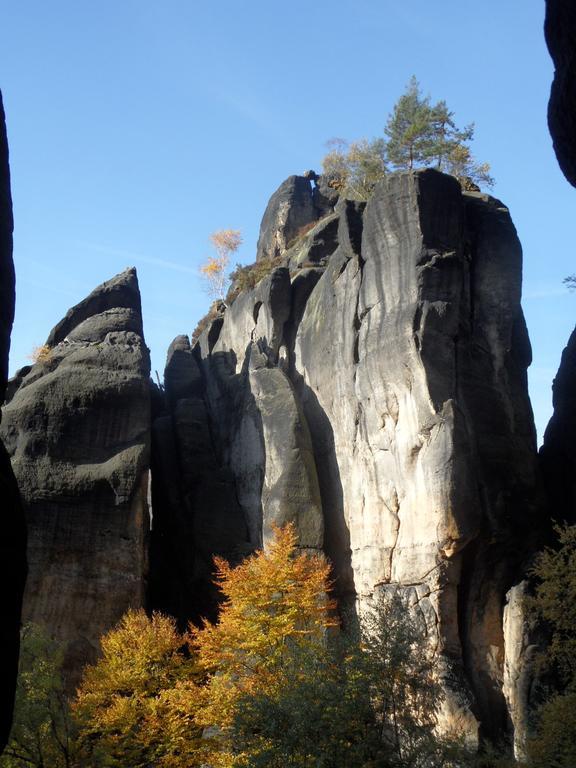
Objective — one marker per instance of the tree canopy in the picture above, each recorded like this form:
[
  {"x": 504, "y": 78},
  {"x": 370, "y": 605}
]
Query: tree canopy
[
  {"x": 418, "y": 134},
  {"x": 215, "y": 269},
  {"x": 42, "y": 732}
]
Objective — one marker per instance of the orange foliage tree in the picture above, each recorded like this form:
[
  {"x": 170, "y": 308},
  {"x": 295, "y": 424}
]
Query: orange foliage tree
[
  {"x": 215, "y": 268},
  {"x": 135, "y": 706},
  {"x": 159, "y": 698},
  {"x": 275, "y": 600}
]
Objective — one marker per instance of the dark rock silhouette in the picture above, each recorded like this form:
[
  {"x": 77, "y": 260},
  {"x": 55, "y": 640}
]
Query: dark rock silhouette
[
  {"x": 560, "y": 32},
  {"x": 13, "y": 538},
  {"x": 78, "y": 430},
  {"x": 558, "y": 452}
]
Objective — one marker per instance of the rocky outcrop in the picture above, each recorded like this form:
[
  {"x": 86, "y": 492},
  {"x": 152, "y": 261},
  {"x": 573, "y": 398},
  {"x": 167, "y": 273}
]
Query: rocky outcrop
[
  {"x": 372, "y": 389},
  {"x": 558, "y": 452},
  {"x": 13, "y": 538},
  {"x": 77, "y": 429},
  {"x": 560, "y": 32},
  {"x": 295, "y": 205},
  {"x": 194, "y": 497}
]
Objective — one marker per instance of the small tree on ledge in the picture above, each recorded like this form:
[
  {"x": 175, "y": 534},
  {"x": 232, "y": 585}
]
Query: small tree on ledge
[{"x": 215, "y": 269}]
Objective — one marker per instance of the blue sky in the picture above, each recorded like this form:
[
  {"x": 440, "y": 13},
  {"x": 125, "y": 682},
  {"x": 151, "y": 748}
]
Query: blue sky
[{"x": 137, "y": 128}]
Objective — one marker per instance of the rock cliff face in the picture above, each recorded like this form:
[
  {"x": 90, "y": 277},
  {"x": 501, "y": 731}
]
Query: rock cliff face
[
  {"x": 294, "y": 205},
  {"x": 560, "y": 31},
  {"x": 13, "y": 536},
  {"x": 77, "y": 428},
  {"x": 373, "y": 389},
  {"x": 558, "y": 452}
]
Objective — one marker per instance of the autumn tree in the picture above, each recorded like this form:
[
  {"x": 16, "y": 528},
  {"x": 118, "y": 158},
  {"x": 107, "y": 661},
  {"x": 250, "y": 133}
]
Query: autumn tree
[
  {"x": 418, "y": 134},
  {"x": 215, "y": 268},
  {"x": 355, "y": 167},
  {"x": 366, "y": 698},
  {"x": 136, "y": 706},
  {"x": 42, "y": 733},
  {"x": 273, "y": 601}
]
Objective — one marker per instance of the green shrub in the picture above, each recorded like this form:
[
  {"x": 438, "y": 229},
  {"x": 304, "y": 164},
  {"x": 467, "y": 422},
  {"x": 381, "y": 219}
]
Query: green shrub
[{"x": 245, "y": 277}]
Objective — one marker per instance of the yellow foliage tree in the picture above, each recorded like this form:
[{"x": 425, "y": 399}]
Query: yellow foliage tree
[
  {"x": 136, "y": 705},
  {"x": 215, "y": 268},
  {"x": 275, "y": 599}
]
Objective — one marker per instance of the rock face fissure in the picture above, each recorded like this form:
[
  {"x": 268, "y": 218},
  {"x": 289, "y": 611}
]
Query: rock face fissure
[
  {"x": 77, "y": 428},
  {"x": 372, "y": 389},
  {"x": 13, "y": 538}
]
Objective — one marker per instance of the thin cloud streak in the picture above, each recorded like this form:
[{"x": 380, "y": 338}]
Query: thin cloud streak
[
  {"x": 138, "y": 257},
  {"x": 544, "y": 293}
]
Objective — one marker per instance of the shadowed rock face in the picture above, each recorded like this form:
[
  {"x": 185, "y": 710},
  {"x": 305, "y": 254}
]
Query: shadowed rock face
[
  {"x": 196, "y": 510},
  {"x": 560, "y": 32},
  {"x": 372, "y": 389},
  {"x": 77, "y": 429},
  {"x": 558, "y": 452},
  {"x": 13, "y": 538}
]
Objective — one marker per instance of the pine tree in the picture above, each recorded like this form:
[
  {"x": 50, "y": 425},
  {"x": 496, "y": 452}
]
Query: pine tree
[
  {"x": 410, "y": 129},
  {"x": 421, "y": 134}
]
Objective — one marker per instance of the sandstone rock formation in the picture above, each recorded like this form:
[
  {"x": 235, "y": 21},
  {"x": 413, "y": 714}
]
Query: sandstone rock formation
[
  {"x": 13, "y": 536},
  {"x": 77, "y": 429},
  {"x": 196, "y": 510},
  {"x": 294, "y": 205},
  {"x": 373, "y": 389},
  {"x": 558, "y": 452},
  {"x": 560, "y": 31}
]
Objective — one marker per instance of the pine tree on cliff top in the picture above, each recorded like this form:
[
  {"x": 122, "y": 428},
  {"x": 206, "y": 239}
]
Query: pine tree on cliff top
[{"x": 422, "y": 134}]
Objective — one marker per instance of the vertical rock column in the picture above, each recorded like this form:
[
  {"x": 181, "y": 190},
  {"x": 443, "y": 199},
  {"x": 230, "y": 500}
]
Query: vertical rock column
[
  {"x": 77, "y": 429},
  {"x": 412, "y": 356},
  {"x": 13, "y": 535}
]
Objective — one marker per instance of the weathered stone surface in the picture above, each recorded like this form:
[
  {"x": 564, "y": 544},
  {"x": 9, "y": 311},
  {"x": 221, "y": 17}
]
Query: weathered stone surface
[
  {"x": 520, "y": 652},
  {"x": 560, "y": 32},
  {"x": 377, "y": 396},
  {"x": 293, "y": 206},
  {"x": 413, "y": 367},
  {"x": 77, "y": 430},
  {"x": 196, "y": 510},
  {"x": 13, "y": 537},
  {"x": 182, "y": 376}
]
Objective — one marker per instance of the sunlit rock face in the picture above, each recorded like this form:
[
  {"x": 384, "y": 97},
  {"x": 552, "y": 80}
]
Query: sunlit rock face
[
  {"x": 77, "y": 428},
  {"x": 13, "y": 536},
  {"x": 560, "y": 31},
  {"x": 372, "y": 389}
]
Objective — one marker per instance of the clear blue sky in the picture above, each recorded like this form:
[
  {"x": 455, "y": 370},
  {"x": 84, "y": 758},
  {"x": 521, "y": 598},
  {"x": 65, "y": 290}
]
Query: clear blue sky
[{"x": 137, "y": 128}]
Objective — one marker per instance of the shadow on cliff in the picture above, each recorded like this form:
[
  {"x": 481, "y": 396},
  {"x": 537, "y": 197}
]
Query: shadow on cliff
[
  {"x": 196, "y": 509},
  {"x": 336, "y": 531}
]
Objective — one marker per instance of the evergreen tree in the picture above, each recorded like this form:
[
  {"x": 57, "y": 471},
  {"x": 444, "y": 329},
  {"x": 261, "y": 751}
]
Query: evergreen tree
[
  {"x": 422, "y": 134},
  {"x": 410, "y": 129}
]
